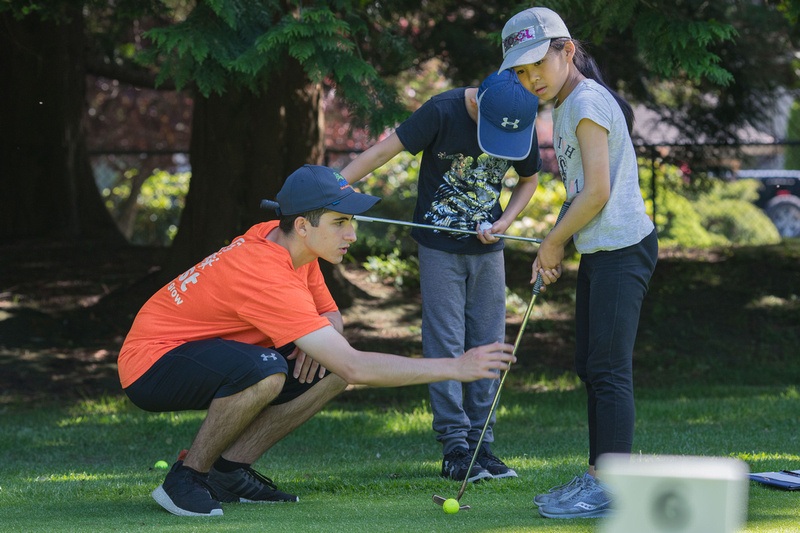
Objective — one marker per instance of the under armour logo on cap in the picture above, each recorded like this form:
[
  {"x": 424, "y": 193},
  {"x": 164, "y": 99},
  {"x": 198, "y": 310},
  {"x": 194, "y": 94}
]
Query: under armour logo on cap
[
  {"x": 506, "y": 123},
  {"x": 506, "y": 116}
]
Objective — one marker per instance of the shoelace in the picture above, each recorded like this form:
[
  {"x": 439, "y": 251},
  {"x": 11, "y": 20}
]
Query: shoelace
[
  {"x": 585, "y": 491},
  {"x": 200, "y": 481},
  {"x": 575, "y": 481},
  {"x": 489, "y": 456},
  {"x": 262, "y": 478}
]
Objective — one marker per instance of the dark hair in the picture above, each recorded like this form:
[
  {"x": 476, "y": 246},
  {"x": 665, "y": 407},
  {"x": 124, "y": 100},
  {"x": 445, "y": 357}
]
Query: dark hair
[
  {"x": 286, "y": 223},
  {"x": 587, "y": 66}
]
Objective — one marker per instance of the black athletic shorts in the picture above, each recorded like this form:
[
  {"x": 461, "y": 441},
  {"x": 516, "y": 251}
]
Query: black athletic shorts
[{"x": 191, "y": 375}]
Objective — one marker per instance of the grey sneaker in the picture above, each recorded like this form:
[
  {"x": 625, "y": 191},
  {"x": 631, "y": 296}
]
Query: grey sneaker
[
  {"x": 186, "y": 493},
  {"x": 456, "y": 463},
  {"x": 247, "y": 486},
  {"x": 492, "y": 464},
  {"x": 559, "y": 491},
  {"x": 591, "y": 500}
]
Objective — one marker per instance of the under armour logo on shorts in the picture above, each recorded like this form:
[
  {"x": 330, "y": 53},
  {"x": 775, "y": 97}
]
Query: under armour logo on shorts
[{"x": 270, "y": 357}]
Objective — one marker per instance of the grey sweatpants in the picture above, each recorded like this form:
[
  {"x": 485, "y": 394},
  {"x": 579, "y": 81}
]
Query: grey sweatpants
[{"x": 463, "y": 306}]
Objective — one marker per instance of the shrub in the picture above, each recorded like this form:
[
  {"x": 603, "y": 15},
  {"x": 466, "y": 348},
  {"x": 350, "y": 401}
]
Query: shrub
[
  {"x": 391, "y": 268},
  {"x": 703, "y": 212},
  {"x": 158, "y": 204}
]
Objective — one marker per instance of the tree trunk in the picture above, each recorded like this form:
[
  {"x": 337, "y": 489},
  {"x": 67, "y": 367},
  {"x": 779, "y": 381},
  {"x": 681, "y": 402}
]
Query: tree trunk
[
  {"x": 243, "y": 147},
  {"x": 48, "y": 185}
]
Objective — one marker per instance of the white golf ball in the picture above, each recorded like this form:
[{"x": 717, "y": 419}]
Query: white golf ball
[{"x": 485, "y": 226}]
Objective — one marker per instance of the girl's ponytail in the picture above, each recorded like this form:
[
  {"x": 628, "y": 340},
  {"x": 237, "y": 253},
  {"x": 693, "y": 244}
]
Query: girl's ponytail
[{"x": 587, "y": 66}]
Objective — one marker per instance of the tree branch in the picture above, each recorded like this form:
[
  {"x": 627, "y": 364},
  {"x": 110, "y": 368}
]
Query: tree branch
[{"x": 128, "y": 73}]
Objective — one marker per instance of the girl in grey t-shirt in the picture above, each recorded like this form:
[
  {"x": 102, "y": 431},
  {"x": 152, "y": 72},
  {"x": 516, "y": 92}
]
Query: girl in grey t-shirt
[{"x": 607, "y": 221}]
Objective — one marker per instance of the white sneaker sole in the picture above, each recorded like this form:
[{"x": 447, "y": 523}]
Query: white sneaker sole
[
  {"x": 510, "y": 473},
  {"x": 160, "y": 496},
  {"x": 479, "y": 477}
]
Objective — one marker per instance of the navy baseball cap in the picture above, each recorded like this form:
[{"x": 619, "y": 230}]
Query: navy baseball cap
[
  {"x": 313, "y": 187},
  {"x": 506, "y": 116}
]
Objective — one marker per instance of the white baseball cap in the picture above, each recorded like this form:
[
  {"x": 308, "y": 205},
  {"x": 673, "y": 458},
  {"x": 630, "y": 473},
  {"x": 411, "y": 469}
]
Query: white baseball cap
[{"x": 526, "y": 36}]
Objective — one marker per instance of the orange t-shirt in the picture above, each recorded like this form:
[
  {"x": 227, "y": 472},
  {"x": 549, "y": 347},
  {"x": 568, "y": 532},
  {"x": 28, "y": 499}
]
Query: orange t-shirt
[{"x": 248, "y": 291}]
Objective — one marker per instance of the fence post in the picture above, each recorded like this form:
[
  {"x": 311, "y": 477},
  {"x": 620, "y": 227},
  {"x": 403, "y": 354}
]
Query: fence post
[{"x": 653, "y": 187}]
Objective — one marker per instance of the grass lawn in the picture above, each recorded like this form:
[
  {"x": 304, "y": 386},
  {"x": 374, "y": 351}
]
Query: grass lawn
[
  {"x": 369, "y": 462},
  {"x": 717, "y": 374}
]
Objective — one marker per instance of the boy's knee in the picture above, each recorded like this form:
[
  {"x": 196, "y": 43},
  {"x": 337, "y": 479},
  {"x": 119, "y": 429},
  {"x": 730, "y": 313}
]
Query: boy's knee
[
  {"x": 335, "y": 383},
  {"x": 329, "y": 387},
  {"x": 269, "y": 388}
]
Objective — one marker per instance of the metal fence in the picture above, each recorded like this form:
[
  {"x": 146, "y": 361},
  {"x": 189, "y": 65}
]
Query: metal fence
[{"x": 728, "y": 162}]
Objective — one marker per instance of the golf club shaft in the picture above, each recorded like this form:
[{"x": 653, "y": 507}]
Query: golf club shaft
[
  {"x": 536, "y": 287},
  {"x": 362, "y": 218},
  {"x": 269, "y": 204}
]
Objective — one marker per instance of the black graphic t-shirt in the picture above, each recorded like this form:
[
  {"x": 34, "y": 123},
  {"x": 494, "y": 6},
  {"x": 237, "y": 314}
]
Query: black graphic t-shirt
[{"x": 459, "y": 186}]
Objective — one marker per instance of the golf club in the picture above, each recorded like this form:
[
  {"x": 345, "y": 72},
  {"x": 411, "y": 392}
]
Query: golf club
[
  {"x": 362, "y": 218},
  {"x": 536, "y": 289},
  {"x": 269, "y": 204}
]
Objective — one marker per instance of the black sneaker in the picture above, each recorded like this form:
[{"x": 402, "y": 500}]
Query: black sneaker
[
  {"x": 247, "y": 486},
  {"x": 492, "y": 464},
  {"x": 456, "y": 463},
  {"x": 186, "y": 493}
]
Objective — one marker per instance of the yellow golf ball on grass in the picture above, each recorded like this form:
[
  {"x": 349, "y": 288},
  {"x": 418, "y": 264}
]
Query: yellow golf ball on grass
[{"x": 451, "y": 506}]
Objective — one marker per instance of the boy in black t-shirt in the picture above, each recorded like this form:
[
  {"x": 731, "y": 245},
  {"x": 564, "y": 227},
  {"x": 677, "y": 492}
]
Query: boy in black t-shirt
[{"x": 469, "y": 138}]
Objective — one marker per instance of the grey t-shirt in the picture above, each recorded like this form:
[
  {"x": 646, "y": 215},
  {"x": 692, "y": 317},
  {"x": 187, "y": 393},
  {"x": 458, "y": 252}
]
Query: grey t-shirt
[{"x": 622, "y": 221}]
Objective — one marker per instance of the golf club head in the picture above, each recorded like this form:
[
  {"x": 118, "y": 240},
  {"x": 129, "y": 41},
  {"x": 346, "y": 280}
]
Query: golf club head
[{"x": 439, "y": 500}]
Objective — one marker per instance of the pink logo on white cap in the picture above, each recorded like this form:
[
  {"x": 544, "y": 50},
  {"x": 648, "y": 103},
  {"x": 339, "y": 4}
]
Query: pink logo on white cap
[{"x": 524, "y": 35}]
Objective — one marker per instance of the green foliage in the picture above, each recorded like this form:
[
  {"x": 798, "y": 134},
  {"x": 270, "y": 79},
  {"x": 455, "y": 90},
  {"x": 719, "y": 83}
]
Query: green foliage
[
  {"x": 670, "y": 45},
  {"x": 402, "y": 273},
  {"x": 203, "y": 48},
  {"x": 217, "y": 45},
  {"x": 221, "y": 45},
  {"x": 396, "y": 183},
  {"x": 790, "y": 9},
  {"x": 161, "y": 201},
  {"x": 539, "y": 216},
  {"x": 158, "y": 205},
  {"x": 793, "y": 134},
  {"x": 702, "y": 213}
]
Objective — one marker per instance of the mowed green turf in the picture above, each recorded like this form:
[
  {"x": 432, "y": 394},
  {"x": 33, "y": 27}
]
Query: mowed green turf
[
  {"x": 717, "y": 374},
  {"x": 369, "y": 461}
]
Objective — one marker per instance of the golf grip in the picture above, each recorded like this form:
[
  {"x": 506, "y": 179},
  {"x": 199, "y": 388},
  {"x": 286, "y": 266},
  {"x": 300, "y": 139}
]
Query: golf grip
[{"x": 536, "y": 288}]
